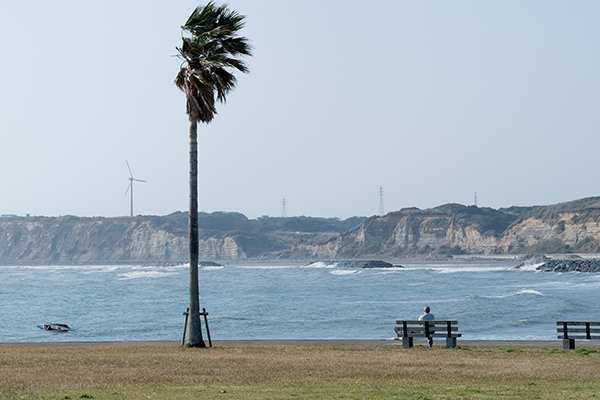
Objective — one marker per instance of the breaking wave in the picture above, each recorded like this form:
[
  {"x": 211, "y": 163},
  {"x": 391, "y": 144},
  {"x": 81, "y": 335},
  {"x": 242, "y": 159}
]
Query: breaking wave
[
  {"x": 530, "y": 267},
  {"x": 517, "y": 293},
  {"x": 212, "y": 268},
  {"x": 345, "y": 272},
  {"x": 321, "y": 264},
  {"x": 143, "y": 274}
]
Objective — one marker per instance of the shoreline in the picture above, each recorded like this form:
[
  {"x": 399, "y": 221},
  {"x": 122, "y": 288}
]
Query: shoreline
[
  {"x": 456, "y": 258},
  {"x": 315, "y": 342}
]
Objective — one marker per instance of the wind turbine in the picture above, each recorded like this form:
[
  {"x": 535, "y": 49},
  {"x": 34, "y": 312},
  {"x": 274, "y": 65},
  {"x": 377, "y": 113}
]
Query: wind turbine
[{"x": 130, "y": 188}]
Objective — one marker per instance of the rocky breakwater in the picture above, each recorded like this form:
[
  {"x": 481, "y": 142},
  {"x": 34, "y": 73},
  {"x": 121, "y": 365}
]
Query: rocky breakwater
[
  {"x": 356, "y": 264},
  {"x": 590, "y": 265}
]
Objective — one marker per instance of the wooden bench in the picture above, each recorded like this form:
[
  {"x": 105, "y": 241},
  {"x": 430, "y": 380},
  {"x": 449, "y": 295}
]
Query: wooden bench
[
  {"x": 408, "y": 330},
  {"x": 568, "y": 331}
]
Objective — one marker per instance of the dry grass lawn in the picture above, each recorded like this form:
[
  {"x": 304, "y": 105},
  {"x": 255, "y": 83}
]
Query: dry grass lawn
[{"x": 294, "y": 371}]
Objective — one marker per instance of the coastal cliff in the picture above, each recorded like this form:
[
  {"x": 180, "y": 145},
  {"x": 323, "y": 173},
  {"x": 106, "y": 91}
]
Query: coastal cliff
[
  {"x": 157, "y": 239},
  {"x": 457, "y": 229},
  {"x": 440, "y": 231}
]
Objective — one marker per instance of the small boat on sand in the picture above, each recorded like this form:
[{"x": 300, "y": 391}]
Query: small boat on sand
[{"x": 55, "y": 327}]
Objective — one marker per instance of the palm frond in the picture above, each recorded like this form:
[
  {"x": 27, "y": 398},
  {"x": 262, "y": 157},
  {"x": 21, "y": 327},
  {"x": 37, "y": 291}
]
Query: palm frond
[
  {"x": 180, "y": 80},
  {"x": 213, "y": 21},
  {"x": 209, "y": 51}
]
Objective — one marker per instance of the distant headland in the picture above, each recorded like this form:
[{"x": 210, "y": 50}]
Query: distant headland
[{"x": 435, "y": 233}]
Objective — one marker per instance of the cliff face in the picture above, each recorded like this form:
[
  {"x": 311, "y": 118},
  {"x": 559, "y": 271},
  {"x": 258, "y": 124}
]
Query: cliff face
[
  {"x": 224, "y": 236},
  {"x": 71, "y": 239},
  {"x": 456, "y": 229},
  {"x": 140, "y": 239},
  {"x": 448, "y": 229},
  {"x": 567, "y": 231}
]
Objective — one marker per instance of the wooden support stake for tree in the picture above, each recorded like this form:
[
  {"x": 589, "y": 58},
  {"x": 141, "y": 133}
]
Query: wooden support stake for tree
[
  {"x": 187, "y": 314},
  {"x": 206, "y": 323}
]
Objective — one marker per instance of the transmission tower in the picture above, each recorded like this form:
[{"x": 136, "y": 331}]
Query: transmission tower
[
  {"x": 475, "y": 199},
  {"x": 283, "y": 203},
  {"x": 381, "y": 201}
]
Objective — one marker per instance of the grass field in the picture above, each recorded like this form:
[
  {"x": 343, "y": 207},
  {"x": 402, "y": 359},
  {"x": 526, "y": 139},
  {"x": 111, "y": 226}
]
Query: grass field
[{"x": 297, "y": 372}]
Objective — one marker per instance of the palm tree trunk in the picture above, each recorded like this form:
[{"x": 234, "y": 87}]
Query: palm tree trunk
[{"x": 194, "y": 336}]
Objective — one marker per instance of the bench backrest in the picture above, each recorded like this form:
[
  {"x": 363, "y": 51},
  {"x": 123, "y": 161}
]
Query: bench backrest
[
  {"x": 578, "y": 330},
  {"x": 425, "y": 328}
]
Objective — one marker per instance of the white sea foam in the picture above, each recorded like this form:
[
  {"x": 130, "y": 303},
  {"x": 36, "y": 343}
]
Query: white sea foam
[
  {"x": 88, "y": 269},
  {"x": 530, "y": 267},
  {"x": 517, "y": 293},
  {"x": 175, "y": 267},
  {"x": 411, "y": 268},
  {"x": 264, "y": 266},
  {"x": 522, "y": 322},
  {"x": 345, "y": 272},
  {"x": 590, "y": 282},
  {"x": 321, "y": 264},
  {"x": 65, "y": 267},
  {"x": 212, "y": 268},
  {"x": 470, "y": 269},
  {"x": 104, "y": 268},
  {"x": 386, "y": 271},
  {"x": 143, "y": 274},
  {"x": 458, "y": 268}
]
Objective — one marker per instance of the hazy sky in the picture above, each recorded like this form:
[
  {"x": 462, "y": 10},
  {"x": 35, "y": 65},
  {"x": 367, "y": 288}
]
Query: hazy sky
[{"x": 432, "y": 100}]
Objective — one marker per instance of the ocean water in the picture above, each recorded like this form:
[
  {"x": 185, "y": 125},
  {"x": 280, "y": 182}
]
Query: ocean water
[{"x": 264, "y": 301}]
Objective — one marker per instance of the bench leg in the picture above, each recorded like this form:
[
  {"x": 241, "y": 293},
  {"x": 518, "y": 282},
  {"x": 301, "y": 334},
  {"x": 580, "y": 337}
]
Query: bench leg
[
  {"x": 450, "y": 342},
  {"x": 568, "y": 344},
  {"x": 407, "y": 342}
]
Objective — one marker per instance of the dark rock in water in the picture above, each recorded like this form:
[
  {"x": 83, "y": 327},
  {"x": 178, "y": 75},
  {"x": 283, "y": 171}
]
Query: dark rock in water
[
  {"x": 208, "y": 264},
  {"x": 570, "y": 266},
  {"x": 365, "y": 264},
  {"x": 360, "y": 264},
  {"x": 532, "y": 259}
]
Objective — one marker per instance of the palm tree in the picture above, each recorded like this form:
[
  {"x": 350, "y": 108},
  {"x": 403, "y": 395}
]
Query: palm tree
[{"x": 211, "y": 51}]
